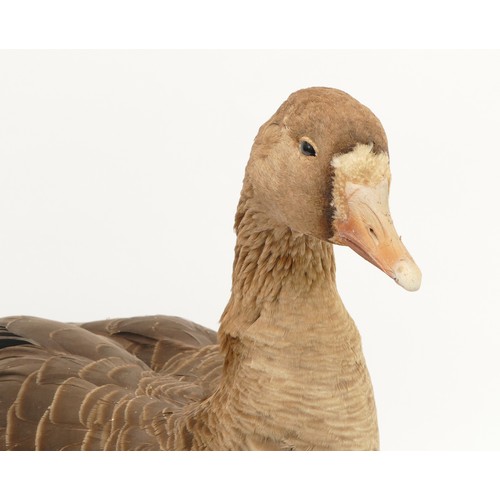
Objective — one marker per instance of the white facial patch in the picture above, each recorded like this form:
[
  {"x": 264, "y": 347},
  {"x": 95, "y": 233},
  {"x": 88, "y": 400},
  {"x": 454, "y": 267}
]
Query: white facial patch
[{"x": 362, "y": 167}]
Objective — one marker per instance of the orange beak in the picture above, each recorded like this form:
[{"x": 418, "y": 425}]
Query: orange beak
[{"x": 368, "y": 229}]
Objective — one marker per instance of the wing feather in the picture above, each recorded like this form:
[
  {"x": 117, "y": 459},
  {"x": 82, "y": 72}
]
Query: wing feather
[{"x": 100, "y": 385}]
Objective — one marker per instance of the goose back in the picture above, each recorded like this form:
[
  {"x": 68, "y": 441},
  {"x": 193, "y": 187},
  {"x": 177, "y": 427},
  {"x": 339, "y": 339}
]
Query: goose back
[{"x": 98, "y": 385}]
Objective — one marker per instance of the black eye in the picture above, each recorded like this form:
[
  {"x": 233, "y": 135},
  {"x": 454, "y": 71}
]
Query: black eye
[{"x": 307, "y": 149}]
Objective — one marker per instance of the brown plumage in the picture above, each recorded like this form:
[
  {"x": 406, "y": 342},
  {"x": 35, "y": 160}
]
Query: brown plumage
[{"x": 286, "y": 371}]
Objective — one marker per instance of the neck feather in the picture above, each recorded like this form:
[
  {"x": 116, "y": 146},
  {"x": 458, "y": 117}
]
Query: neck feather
[{"x": 272, "y": 262}]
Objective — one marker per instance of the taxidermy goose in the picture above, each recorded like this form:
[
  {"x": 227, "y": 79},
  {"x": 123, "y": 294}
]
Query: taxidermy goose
[{"x": 287, "y": 370}]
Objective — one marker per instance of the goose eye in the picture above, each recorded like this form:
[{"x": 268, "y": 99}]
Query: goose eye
[{"x": 307, "y": 149}]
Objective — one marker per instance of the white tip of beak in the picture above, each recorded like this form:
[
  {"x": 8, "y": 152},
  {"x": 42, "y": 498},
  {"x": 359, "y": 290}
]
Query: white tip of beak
[{"x": 408, "y": 275}]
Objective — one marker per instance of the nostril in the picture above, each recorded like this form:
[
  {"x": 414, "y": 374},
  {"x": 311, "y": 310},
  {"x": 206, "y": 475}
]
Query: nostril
[{"x": 373, "y": 234}]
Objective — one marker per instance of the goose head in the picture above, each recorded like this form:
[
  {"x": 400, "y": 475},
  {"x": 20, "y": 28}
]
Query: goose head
[{"x": 320, "y": 166}]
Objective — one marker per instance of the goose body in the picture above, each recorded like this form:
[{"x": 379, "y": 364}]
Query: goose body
[{"x": 285, "y": 370}]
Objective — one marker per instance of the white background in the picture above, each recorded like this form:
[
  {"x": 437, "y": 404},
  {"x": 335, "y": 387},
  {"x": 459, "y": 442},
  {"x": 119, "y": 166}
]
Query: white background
[{"x": 120, "y": 173}]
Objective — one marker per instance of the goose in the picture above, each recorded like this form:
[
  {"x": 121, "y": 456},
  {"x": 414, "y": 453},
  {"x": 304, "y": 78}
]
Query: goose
[{"x": 286, "y": 369}]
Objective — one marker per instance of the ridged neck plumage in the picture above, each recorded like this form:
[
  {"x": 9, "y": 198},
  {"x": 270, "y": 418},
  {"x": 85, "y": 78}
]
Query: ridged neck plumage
[{"x": 272, "y": 263}]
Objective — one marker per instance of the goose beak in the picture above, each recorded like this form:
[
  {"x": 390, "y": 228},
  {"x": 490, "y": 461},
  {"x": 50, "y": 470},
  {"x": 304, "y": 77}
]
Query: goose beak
[{"x": 368, "y": 229}]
